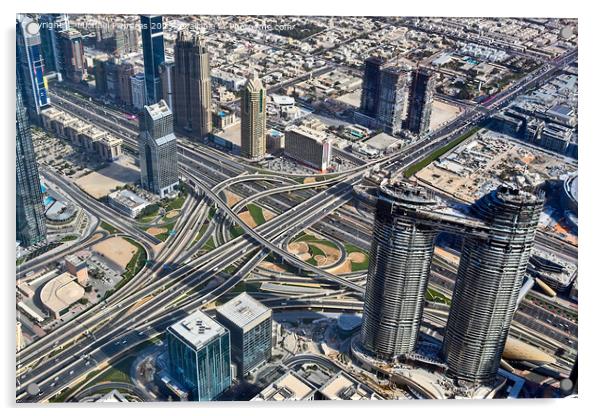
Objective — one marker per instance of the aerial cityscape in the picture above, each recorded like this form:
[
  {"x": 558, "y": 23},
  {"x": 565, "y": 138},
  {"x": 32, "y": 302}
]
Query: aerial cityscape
[{"x": 294, "y": 208}]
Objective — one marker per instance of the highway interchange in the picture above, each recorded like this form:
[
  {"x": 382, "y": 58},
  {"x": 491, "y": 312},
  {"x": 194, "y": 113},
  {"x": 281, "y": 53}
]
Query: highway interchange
[{"x": 154, "y": 298}]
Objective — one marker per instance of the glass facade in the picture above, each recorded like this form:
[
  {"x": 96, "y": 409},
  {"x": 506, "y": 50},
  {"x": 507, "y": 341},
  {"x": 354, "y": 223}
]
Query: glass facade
[
  {"x": 31, "y": 228},
  {"x": 154, "y": 55},
  {"x": 31, "y": 65},
  {"x": 206, "y": 371}
]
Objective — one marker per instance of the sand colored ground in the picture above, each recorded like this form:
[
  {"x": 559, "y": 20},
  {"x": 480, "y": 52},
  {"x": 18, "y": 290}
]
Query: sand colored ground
[
  {"x": 117, "y": 249},
  {"x": 100, "y": 183},
  {"x": 247, "y": 219},
  {"x": 231, "y": 198},
  {"x": 271, "y": 266},
  {"x": 357, "y": 257},
  {"x": 268, "y": 215},
  {"x": 443, "y": 112},
  {"x": 156, "y": 230},
  {"x": 328, "y": 250},
  {"x": 345, "y": 267},
  {"x": 309, "y": 180},
  {"x": 172, "y": 214},
  {"x": 299, "y": 247}
]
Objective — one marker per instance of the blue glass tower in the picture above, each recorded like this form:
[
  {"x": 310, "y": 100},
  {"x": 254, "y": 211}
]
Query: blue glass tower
[
  {"x": 153, "y": 51},
  {"x": 31, "y": 228},
  {"x": 199, "y": 355},
  {"x": 31, "y": 65}
]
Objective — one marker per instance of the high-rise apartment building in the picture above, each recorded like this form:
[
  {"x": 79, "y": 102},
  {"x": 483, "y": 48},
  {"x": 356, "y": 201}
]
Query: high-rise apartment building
[
  {"x": 31, "y": 227},
  {"x": 138, "y": 91},
  {"x": 398, "y": 272},
  {"x": 392, "y": 99},
  {"x": 371, "y": 85},
  {"x": 166, "y": 69},
  {"x": 310, "y": 146},
  {"x": 73, "y": 63},
  {"x": 250, "y": 326},
  {"x": 192, "y": 85},
  {"x": 489, "y": 278},
  {"x": 125, "y": 72},
  {"x": 253, "y": 119},
  {"x": 157, "y": 147},
  {"x": 50, "y": 26},
  {"x": 153, "y": 51},
  {"x": 199, "y": 355},
  {"x": 30, "y": 65},
  {"x": 420, "y": 106}
]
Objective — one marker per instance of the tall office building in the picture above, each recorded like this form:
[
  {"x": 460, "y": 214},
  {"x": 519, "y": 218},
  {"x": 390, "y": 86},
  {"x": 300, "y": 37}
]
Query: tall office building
[
  {"x": 73, "y": 63},
  {"x": 199, "y": 355},
  {"x": 166, "y": 69},
  {"x": 253, "y": 119},
  {"x": 153, "y": 52},
  {"x": 100, "y": 73},
  {"x": 392, "y": 99},
  {"x": 31, "y": 227},
  {"x": 30, "y": 65},
  {"x": 50, "y": 26},
  {"x": 125, "y": 72},
  {"x": 398, "y": 271},
  {"x": 489, "y": 278},
  {"x": 192, "y": 85},
  {"x": 250, "y": 326},
  {"x": 420, "y": 101},
  {"x": 371, "y": 85},
  {"x": 157, "y": 147}
]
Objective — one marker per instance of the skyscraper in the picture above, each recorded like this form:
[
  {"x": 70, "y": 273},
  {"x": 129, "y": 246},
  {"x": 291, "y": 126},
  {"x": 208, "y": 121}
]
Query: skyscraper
[
  {"x": 392, "y": 100},
  {"x": 199, "y": 355},
  {"x": 157, "y": 147},
  {"x": 253, "y": 119},
  {"x": 371, "y": 85},
  {"x": 153, "y": 51},
  {"x": 192, "y": 85},
  {"x": 50, "y": 25},
  {"x": 73, "y": 64},
  {"x": 398, "y": 271},
  {"x": 31, "y": 228},
  {"x": 167, "y": 81},
  {"x": 30, "y": 65},
  {"x": 250, "y": 326},
  {"x": 488, "y": 282},
  {"x": 420, "y": 101}
]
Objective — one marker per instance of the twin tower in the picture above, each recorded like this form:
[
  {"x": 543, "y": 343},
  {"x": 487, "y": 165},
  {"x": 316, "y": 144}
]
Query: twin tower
[{"x": 498, "y": 237}]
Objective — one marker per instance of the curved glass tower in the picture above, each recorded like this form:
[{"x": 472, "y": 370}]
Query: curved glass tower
[
  {"x": 488, "y": 282},
  {"x": 400, "y": 261}
]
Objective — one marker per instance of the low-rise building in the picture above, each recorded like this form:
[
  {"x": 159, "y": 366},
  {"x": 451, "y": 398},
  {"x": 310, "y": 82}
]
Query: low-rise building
[
  {"x": 78, "y": 267},
  {"x": 60, "y": 293},
  {"x": 127, "y": 202},
  {"x": 289, "y": 387},
  {"x": 344, "y": 387}
]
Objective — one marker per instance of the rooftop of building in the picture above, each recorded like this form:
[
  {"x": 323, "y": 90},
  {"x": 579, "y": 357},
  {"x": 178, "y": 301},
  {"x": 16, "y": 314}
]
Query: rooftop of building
[
  {"x": 61, "y": 292},
  {"x": 244, "y": 310},
  {"x": 158, "y": 110},
  {"x": 75, "y": 260},
  {"x": 344, "y": 387},
  {"x": 381, "y": 141},
  {"x": 319, "y": 136},
  {"x": 128, "y": 198},
  {"x": 289, "y": 387},
  {"x": 197, "y": 329}
]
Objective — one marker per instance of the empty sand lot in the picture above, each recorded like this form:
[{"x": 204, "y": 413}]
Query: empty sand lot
[
  {"x": 443, "y": 112},
  {"x": 102, "y": 182},
  {"x": 117, "y": 250}
]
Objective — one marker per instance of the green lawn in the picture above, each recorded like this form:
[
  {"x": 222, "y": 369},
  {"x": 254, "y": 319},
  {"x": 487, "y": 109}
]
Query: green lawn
[
  {"x": 356, "y": 267},
  {"x": 108, "y": 227},
  {"x": 433, "y": 295},
  {"x": 69, "y": 237},
  {"x": 209, "y": 245},
  {"x": 236, "y": 231},
  {"x": 176, "y": 203},
  {"x": 135, "y": 264},
  {"x": 256, "y": 213},
  {"x": 165, "y": 235},
  {"x": 412, "y": 169}
]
